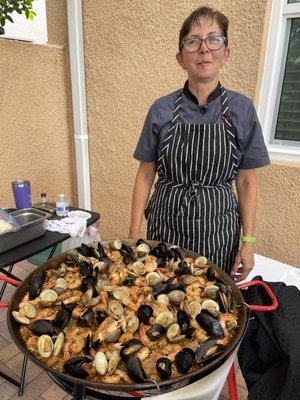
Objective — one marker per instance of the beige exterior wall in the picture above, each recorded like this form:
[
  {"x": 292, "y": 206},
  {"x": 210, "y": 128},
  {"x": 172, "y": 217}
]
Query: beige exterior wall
[
  {"x": 36, "y": 134},
  {"x": 130, "y": 49}
]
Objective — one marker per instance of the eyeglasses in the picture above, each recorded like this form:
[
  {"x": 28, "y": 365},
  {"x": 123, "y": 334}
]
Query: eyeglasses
[{"x": 213, "y": 43}]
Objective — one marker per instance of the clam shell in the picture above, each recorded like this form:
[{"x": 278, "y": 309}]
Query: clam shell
[
  {"x": 48, "y": 297},
  {"x": 59, "y": 344},
  {"x": 132, "y": 324},
  {"x": 142, "y": 249},
  {"x": 211, "y": 306},
  {"x": 27, "y": 310},
  {"x": 101, "y": 363},
  {"x": 188, "y": 279},
  {"x": 143, "y": 353},
  {"x": 211, "y": 291},
  {"x": 194, "y": 308},
  {"x": 116, "y": 244},
  {"x": 60, "y": 286},
  {"x": 201, "y": 261},
  {"x": 176, "y": 296},
  {"x": 115, "y": 308},
  {"x": 113, "y": 362},
  {"x": 19, "y": 318},
  {"x": 121, "y": 293},
  {"x": 165, "y": 319},
  {"x": 163, "y": 299},
  {"x": 139, "y": 268},
  {"x": 173, "y": 331},
  {"x": 45, "y": 346},
  {"x": 153, "y": 278}
]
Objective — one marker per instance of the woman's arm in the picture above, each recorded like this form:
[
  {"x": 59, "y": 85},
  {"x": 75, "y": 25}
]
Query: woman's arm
[
  {"x": 247, "y": 188},
  {"x": 141, "y": 191}
]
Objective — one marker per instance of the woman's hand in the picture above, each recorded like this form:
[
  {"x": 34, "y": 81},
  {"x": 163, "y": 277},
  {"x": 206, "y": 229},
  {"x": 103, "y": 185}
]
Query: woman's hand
[
  {"x": 244, "y": 262},
  {"x": 134, "y": 234}
]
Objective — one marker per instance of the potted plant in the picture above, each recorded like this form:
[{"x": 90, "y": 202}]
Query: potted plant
[{"x": 7, "y": 7}]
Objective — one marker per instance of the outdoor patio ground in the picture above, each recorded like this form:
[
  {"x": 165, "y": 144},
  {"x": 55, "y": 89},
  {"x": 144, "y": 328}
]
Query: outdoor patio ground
[{"x": 38, "y": 384}]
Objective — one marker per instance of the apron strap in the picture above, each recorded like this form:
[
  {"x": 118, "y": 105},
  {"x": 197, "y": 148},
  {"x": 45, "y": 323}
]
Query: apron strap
[{"x": 177, "y": 105}]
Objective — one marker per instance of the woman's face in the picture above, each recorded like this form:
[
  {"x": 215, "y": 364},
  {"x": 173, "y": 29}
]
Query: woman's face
[{"x": 203, "y": 65}]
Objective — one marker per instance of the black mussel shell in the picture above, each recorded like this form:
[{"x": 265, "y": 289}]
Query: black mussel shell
[
  {"x": 163, "y": 287},
  {"x": 129, "y": 348},
  {"x": 172, "y": 254},
  {"x": 87, "y": 345},
  {"x": 211, "y": 274},
  {"x": 202, "y": 349},
  {"x": 43, "y": 327},
  {"x": 164, "y": 368},
  {"x": 155, "y": 252},
  {"x": 85, "y": 250},
  {"x": 62, "y": 317},
  {"x": 126, "y": 250},
  {"x": 87, "y": 283},
  {"x": 135, "y": 369},
  {"x": 101, "y": 316},
  {"x": 85, "y": 268},
  {"x": 101, "y": 250},
  {"x": 129, "y": 282},
  {"x": 181, "y": 253},
  {"x": 141, "y": 241},
  {"x": 211, "y": 325},
  {"x": 182, "y": 269},
  {"x": 36, "y": 283},
  {"x": 189, "y": 332},
  {"x": 183, "y": 321},
  {"x": 162, "y": 247},
  {"x": 155, "y": 332},
  {"x": 74, "y": 364},
  {"x": 161, "y": 261},
  {"x": 184, "y": 360},
  {"x": 144, "y": 313},
  {"x": 176, "y": 286},
  {"x": 87, "y": 319}
]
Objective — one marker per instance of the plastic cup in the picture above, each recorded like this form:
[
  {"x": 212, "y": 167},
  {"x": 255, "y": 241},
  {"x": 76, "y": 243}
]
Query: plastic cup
[{"x": 22, "y": 193}]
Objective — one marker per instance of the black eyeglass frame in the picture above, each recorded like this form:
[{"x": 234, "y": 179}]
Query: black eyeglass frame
[{"x": 203, "y": 40}]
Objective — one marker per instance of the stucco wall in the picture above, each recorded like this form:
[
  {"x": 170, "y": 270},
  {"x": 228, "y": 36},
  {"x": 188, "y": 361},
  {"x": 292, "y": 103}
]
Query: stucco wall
[{"x": 36, "y": 140}]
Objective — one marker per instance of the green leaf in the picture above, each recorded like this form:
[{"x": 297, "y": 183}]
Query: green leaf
[
  {"x": 9, "y": 18},
  {"x": 2, "y": 21},
  {"x": 2, "y": 31},
  {"x": 19, "y": 11},
  {"x": 31, "y": 15}
]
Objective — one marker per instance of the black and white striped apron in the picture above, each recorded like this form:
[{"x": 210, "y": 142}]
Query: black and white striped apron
[{"x": 193, "y": 204}]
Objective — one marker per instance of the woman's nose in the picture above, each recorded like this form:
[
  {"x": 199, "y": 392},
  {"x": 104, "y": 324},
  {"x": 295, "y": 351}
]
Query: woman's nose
[{"x": 203, "y": 47}]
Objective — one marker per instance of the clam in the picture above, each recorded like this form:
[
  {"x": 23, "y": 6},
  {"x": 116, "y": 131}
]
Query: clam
[
  {"x": 116, "y": 244},
  {"x": 138, "y": 268},
  {"x": 173, "y": 333},
  {"x": 153, "y": 278},
  {"x": 114, "y": 337},
  {"x": 163, "y": 299},
  {"x": 211, "y": 291},
  {"x": 133, "y": 324},
  {"x": 121, "y": 293},
  {"x": 201, "y": 261},
  {"x": 187, "y": 279},
  {"x": 176, "y": 297},
  {"x": 211, "y": 306},
  {"x": 48, "y": 297},
  {"x": 115, "y": 309},
  {"x": 142, "y": 249},
  {"x": 60, "y": 286},
  {"x": 144, "y": 313},
  {"x": 101, "y": 363},
  {"x": 165, "y": 319},
  {"x": 45, "y": 346},
  {"x": 27, "y": 310},
  {"x": 195, "y": 308},
  {"x": 20, "y": 318},
  {"x": 59, "y": 344},
  {"x": 113, "y": 362}
]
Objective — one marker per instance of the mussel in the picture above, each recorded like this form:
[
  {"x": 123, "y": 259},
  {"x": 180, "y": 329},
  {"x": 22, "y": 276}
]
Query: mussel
[
  {"x": 88, "y": 282},
  {"x": 183, "y": 320},
  {"x": 205, "y": 349},
  {"x": 62, "y": 317},
  {"x": 36, "y": 284},
  {"x": 184, "y": 360},
  {"x": 87, "y": 319},
  {"x": 164, "y": 368},
  {"x": 135, "y": 369},
  {"x": 182, "y": 269},
  {"x": 144, "y": 313},
  {"x": 43, "y": 327},
  {"x": 85, "y": 268},
  {"x": 74, "y": 364},
  {"x": 155, "y": 332},
  {"x": 129, "y": 348},
  {"x": 210, "y": 324}
]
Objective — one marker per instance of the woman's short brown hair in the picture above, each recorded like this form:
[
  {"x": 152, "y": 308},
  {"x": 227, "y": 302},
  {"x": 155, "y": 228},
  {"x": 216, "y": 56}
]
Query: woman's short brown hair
[{"x": 205, "y": 12}]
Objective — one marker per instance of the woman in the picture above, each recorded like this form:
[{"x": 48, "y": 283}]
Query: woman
[{"x": 200, "y": 140}]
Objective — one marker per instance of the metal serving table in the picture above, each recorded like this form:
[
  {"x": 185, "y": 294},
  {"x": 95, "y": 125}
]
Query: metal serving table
[{"x": 24, "y": 251}]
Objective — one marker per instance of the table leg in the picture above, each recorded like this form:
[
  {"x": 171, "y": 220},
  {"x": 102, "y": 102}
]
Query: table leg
[
  {"x": 23, "y": 373},
  {"x": 78, "y": 392},
  {"x": 7, "y": 273},
  {"x": 9, "y": 379},
  {"x": 52, "y": 251}
]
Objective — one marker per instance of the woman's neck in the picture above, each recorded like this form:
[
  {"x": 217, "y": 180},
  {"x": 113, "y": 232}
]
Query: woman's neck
[{"x": 202, "y": 89}]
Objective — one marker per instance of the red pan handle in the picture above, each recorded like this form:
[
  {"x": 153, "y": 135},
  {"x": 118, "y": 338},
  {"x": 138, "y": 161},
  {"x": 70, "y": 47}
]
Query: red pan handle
[
  {"x": 269, "y": 292},
  {"x": 4, "y": 304}
]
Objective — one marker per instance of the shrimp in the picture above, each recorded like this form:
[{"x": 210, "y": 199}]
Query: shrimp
[
  {"x": 144, "y": 338},
  {"x": 193, "y": 291},
  {"x": 50, "y": 282},
  {"x": 73, "y": 280},
  {"x": 228, "y": 321},
  {"x": 78, "y": 311},
  {"x": 115, "y": 255},
  {"x": 73, "y": 299},
  {"x": 135, "y": 293},
  {"x": 150, "y": 263},
  {"x": 141, "y": 282},
  {"x": 126, "y": 336},
  {"x": 45, "y": 313},
  {"x": 133, "y": 305}
]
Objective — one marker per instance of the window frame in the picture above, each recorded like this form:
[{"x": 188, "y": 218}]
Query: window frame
[{"x": 274, "y": 66}]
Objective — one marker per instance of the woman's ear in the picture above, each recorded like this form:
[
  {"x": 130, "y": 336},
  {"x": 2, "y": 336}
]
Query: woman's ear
[
  {"x": 180, "y": 60},
  {"x": 227, "y": 54}
]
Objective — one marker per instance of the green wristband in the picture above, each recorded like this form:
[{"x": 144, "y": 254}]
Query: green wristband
[{"x": 248, "y": 239}]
